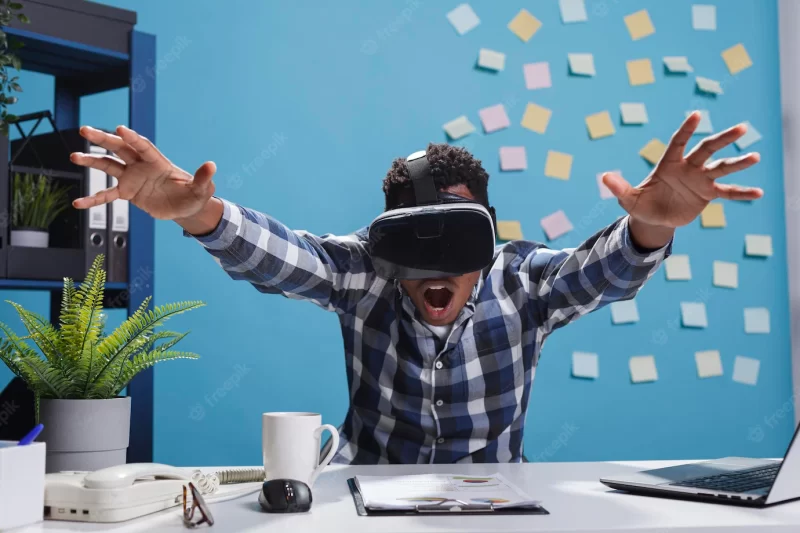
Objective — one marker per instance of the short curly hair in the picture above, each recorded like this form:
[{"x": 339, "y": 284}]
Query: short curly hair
[{"x": 449, "y": 165}]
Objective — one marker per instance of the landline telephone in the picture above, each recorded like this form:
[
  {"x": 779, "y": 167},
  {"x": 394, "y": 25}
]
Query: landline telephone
[{"x": 129, "y": 491}]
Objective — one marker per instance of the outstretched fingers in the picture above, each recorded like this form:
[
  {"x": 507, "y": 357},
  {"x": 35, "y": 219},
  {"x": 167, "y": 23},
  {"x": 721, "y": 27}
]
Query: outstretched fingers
[{"x": 103, "y": 197}]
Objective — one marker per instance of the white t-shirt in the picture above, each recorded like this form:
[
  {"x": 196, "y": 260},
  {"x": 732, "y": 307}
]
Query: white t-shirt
[{"x": 442, "y": 332}]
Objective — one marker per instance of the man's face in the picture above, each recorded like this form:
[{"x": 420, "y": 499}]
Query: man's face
[{"x": 440, "y": 300}]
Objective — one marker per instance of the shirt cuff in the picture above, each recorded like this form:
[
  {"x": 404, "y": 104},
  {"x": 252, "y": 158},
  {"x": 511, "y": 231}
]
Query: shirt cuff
[
  {"x": 636, "y": 255},
  {"x": 225, "y": 233}
]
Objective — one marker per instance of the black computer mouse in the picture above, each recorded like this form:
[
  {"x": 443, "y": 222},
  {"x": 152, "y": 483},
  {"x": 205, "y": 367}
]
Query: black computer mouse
[{"x": 285, "y": 496}]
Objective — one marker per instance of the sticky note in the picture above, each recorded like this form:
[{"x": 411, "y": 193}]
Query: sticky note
[
  {"x": 573, "y": 11},
  {"x": 513, "y": 158},
  {"x": 558, "y": 165},
  {"x": 708, "y": 86},
  {"x": 639, "y": 25},
  {"x": 653, "y": 151},
  {"x": 758, "y": 245},
  {"x": 584, "y": 365},
  {"x": 537, "y": 75},
  {"x": 524, "y": 25},
  {"x": 737, "y": 58},
  {"x": 624, "y": 312},
  {"x": 463, "y": 19},
  {"x": 600, "y": 125},
  {"x": 640, "y": 72},
  {"x": 556, "y": 225},
  {"x": 677, "y": 64},
  {"x": 726, "y": 274},
  {"x": 509, "y": 230},
  {"x": 704, "y": 17},
  {"x": 678, "y": 268},
  {"x": 643, "y": 368},
  {"x": 633, "y": 113},
  {"x": 709, "y": 364},
  {"x": 536, "y": 118},
  {"x": 581, "y": 64},
  {"x": 693, "y": 315},
  {"x": 713, "y": 216},
  {"x": 705, "y": 122},
  {"x": 494, "y": 118},
  {"x": 751, "y": 136},
  {"x": 489, "y": 59},
  {"x": 605, "y": 193},
  {"x": 459, "y": 127},
  {"x": 756, "y": 320},
  {"x": 745, "y": 370}
]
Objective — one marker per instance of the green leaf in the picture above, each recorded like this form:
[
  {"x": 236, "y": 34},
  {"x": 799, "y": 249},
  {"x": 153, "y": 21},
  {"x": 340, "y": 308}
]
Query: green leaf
[
  {"x": 16, "y": 63},
  {"x": 23, "y": 18},
  {"x": 15, "y": 5},
  {"x": 15, "y": 86}
]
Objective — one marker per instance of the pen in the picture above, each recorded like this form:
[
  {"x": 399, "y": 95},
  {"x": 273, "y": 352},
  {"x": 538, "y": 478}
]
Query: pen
[{"x": 31, "y": 436}]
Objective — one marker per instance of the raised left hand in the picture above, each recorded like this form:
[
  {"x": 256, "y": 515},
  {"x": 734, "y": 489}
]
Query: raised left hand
[{"x": 679, "y": 188}]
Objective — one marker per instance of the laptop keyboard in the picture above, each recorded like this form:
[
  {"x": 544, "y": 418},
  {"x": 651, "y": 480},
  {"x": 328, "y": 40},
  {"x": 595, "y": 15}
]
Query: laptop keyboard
[{"x": 735, "y": 481}]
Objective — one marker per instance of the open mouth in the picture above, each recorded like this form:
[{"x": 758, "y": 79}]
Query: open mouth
[{"x": 437, "y": 300}]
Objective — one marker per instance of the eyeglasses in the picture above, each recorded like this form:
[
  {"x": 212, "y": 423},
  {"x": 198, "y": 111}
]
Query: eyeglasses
[{"x": 197, "y": 503}]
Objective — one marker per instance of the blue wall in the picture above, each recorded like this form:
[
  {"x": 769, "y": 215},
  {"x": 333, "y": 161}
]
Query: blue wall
[{"x": 297, "y": 80}]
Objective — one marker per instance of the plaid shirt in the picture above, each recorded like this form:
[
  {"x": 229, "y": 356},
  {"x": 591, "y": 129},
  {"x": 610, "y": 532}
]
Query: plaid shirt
[{"x": 412, "y": 399}]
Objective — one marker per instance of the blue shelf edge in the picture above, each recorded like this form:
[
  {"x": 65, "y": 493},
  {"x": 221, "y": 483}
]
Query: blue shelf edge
[{"x": 48, "y": 285}]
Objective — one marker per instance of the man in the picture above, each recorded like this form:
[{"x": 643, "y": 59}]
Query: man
[{"x": 439, "y": 370}]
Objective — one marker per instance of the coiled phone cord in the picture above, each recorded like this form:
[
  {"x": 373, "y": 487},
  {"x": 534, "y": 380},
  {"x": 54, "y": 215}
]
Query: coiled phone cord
[{"x": 209, "y": 483}]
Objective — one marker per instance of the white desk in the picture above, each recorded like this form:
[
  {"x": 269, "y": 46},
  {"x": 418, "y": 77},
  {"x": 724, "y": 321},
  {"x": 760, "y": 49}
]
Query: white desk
[{"x": 570, "y": 491}]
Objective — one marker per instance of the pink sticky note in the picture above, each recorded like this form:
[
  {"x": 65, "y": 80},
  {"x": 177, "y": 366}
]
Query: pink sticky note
[
  {"x": 556, "y": 225},
  {"x": 513, "y": 158},
  {"x": 494, "y": 118},
  {"x": 537, "y": 75},
  {"x": 605, "y": 194}
]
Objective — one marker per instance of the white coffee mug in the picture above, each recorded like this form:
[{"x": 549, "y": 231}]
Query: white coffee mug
[{"x": 291, "y": 445}]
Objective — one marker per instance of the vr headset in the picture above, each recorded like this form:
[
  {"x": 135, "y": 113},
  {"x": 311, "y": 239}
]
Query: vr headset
[{"x": 440, "y": 235}]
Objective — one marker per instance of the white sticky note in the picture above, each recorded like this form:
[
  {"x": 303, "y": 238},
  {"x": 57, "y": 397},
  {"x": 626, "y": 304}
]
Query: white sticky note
[
  {"x": 573, "y": 11},
  {"x": 581, "y": 64},
  {"x": 463, "y": 19},
  {"x": 489, "y": 59},
  {"x": 708, "y": 86},
  {"x": 458, "y": 128},
  {"x": 624, "y": 312},
  {"x": 633, "y": 113},
  {"x": 705, "y": 122},
  {"x": 605, "y": 192},
  {"x": 643, "y": 368},
  {"x": 758, "y": 245},
  {"x": 756, "y": 320},
  {"x": 693, "y": 315},
  {"x": 585, "y": 365},
  {"x": 677, "y": 267},
  {"x": 709, "y": 364},
  {"x": 726, "y": 274},
  {"x": 704, "y": 17},
  {"x": 751, "y": 136},
  {"x": 745, "y": 370},
  {"x": 678, "y": 64}
]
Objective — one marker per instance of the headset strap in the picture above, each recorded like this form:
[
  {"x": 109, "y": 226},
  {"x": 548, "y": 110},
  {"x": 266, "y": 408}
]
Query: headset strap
[{"x": 419, "y": 171}]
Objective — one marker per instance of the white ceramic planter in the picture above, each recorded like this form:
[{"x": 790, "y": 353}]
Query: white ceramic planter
[{"x": 31, "y": 238}]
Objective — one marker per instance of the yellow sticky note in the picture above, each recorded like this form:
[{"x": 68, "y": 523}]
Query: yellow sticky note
[
  {"x": 653, "y": 151},
  {"x": 639, "y": 25},
  {"x": 524, "y": 25},
  {"x": 536, "y": 118},
  {"x": 713, "y": 216},
  {"x": 640, "y": 72},
  {"x": 509, "y": 230},
  {"x": 600, "y": 125},
  {"x": 558, "y": 165},
  {"x": 737, "y": 58}
]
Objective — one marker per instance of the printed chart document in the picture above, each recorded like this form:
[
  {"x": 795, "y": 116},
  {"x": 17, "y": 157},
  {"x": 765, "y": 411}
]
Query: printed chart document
[{"x": 408, "y": 492}]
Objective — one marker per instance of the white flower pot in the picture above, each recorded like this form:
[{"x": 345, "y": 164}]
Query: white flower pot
[{"x": 31, "y": 238}]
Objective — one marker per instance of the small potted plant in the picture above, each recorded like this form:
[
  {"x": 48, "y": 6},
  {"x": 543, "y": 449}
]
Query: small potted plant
[
  {"x": 36, "y": 203},
  {"x": 78, "y": 377}
]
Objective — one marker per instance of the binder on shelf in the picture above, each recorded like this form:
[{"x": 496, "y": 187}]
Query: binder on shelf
[
  {"x": 118, "y": 214},
  {"x": 95, "y": 237}
]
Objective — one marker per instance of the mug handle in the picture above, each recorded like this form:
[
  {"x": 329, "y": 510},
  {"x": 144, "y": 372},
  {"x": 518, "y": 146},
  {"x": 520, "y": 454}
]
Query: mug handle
[{"x": 334, "y": 447}]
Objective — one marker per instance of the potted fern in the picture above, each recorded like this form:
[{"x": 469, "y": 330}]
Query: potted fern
[
  {"x": 78, "y": 377},
  {"x": 36, "y": 203}
]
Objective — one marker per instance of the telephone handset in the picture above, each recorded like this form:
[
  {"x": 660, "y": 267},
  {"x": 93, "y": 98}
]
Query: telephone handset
[{"x": 120, "y": 476}]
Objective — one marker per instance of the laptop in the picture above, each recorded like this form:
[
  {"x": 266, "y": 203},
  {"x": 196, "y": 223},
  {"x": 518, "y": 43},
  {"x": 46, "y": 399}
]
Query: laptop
[{"x": 732, "y": 480}]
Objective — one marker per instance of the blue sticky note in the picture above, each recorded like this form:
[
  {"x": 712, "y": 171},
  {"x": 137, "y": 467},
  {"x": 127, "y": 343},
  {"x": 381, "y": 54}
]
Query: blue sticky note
[
  {"x": 705, "y": 122},
  {"x": 573, "y": 11},
  {"x": 463, "y": 19},
  {"x": 584, "y": 365},
  {"x": 756, "y": 320},
  {"x": 704, "y": 17},
  {"x": 752, "y": 136},
  {"x": 624, "y": 312},
  {"x": 693, "y": 315},
  {"x": 745, "y": 370}
]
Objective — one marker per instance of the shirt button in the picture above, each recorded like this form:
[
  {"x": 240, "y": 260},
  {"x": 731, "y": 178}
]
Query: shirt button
[
  {"x": 440, "y": 440},
  {"x": 439, "y": 365},
  {"x": 439, "y": 403}
]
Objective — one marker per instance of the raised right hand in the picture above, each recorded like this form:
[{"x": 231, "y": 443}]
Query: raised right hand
[{"x": 146, "y": 177}]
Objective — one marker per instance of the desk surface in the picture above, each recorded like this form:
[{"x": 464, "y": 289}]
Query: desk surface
[{"x": 570, "y": 491}]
